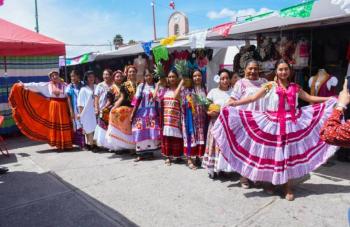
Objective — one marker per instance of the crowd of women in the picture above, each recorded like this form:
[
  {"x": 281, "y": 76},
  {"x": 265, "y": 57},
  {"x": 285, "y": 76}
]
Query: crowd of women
[{"x": 245, "y": 125}]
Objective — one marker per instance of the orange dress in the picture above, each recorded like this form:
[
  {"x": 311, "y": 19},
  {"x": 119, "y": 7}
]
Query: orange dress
[{"x": 41, "y": 117}]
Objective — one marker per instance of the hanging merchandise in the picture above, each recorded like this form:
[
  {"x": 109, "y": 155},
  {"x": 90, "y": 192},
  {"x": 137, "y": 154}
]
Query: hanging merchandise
[
  {"x": 301, "y": 54},
  {"x": 223, "y": 29},
  {"x": 160, "y": 53},
  {"x": 147, "y": 46},
  {"x": 168, "y": 41},
  {"x": 197, "y": 40},
  {"x": 302, "y": 10}
]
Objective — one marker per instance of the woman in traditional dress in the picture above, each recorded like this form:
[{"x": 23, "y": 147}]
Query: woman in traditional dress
[
  {"x": 119, "y": 134},
  {"x": 194, "y": 119},
  {"x": 218, "y": 96},
  {"x": 41, "y": 111},
  {"x": 245, "y": 87},
  {"x": 280, "y": 144},
  {"x": 169, "y": 97},
  {"x": 145, "y": 119},
  {"x": 102, "y": 108},
  {"x": 86, "y": 114},
  {"x": 72, "y": 92}
]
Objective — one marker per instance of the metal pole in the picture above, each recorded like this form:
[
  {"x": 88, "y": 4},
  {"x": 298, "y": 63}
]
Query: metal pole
[
  {"x": 154, "y": 21},
  {"x": 36, "y": 17}
]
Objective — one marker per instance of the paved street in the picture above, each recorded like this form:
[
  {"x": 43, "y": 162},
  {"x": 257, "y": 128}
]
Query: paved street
[{"x": 46, "y": 188}]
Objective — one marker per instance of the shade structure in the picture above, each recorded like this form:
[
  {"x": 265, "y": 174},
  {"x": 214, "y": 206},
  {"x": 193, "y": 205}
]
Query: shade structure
[
  {"x": 26, "y": 56},
  {"x": 18, "y": 41},
  {"x": 324, "y": 12}
]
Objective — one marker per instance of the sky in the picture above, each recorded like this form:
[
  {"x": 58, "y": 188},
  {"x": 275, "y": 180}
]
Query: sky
[{"x": 98, "y": 21}]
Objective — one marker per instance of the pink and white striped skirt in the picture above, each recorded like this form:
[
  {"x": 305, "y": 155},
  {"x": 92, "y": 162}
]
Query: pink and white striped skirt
[{"x": 252, "y": 144}]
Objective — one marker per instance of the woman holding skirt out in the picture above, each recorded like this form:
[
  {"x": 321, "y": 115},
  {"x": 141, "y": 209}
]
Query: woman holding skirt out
[
  {"x": 145, "y": 119},
  {"x": 41, "y": 111},
  {"x": 281, "y": 143}
]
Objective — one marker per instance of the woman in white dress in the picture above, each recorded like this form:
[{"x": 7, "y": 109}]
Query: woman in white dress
[
  {"x": 218, "y": 96},
  {"x": 102, "y": 108},
  {"x": 87, "y": 115}
]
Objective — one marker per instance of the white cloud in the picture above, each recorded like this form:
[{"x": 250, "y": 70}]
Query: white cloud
[
  {"x": 73, "y": 25},
  {"x": 233, "y": 14}
]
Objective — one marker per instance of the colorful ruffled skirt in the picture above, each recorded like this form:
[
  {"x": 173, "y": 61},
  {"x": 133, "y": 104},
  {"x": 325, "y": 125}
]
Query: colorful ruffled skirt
[
  {"x": 252, "y": 144},
  {"x": 119, "y": 134},
  {"x": 146, "y": 130},
  {"x": 40, "y": 118}
]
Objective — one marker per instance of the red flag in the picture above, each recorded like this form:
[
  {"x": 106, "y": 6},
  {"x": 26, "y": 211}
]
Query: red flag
[
  {"x": 223, "y": 29},
  {"x": 172, "y": 4},
  {"x": 1, "y": 2}
]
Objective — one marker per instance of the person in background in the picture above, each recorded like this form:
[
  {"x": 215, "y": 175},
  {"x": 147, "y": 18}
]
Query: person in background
[
  {"x": 72, "y": 92},
  {"x": 235, "y": 78},
  {"x": 218, "y": 96},
  {"x": 145, "y": 119},
  {"x": 86, "y": 114},
  {"x": 102, "y": 108},
  {"x": 41, "y": 111},
  {"x": 334, "y": 130}
]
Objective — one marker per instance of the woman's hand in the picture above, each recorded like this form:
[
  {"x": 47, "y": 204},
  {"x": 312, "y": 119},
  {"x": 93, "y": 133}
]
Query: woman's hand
[
  {"x": 213, "y": 113},
  {"x": 230, "y": 102},
  {"x": 344, "y": 96}
]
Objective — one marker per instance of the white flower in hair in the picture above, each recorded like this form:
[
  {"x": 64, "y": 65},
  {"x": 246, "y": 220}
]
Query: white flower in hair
[{"x": 217, "y": 78}]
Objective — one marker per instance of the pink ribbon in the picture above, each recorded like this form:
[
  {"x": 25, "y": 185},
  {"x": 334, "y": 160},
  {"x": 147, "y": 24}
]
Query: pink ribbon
[{"x": 290, "y": 96}]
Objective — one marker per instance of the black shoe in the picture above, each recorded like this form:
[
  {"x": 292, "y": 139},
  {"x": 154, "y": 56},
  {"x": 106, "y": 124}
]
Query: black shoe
[
  {"x": 212, "y": 175},
  {"x": 94, "y": 149},
  {"x": 3, "y": 169}
]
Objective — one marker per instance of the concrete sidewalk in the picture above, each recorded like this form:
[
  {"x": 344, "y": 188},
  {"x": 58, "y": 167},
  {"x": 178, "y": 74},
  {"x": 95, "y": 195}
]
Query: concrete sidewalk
[{"x": 46, "y": 188}]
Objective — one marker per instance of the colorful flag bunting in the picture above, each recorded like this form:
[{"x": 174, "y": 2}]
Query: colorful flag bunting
[
  {"x": 256, "y": 17},
  {"x": 223, "y": 29},
  {"x": 147, "y": 46},
  {"x": 302, "y": 10},
  {"x": 160, "y": 52},
  {"x": 168, "y": 41}
]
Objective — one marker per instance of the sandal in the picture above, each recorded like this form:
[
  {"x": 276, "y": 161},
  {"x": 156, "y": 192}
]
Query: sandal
[
  {"x": 289, "y": 195},
  {"x": 244, "y": 183},
  {"x": 168, "y": 162},
  {"x": 270, "y": 189},
  {"x": 191, "y": 165},
  {"x": 138, "y": 159}
]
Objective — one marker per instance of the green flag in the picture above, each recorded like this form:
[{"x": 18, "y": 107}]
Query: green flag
[
  {"x": 302, "y": 10},
  {"x": 258, "y": 16},
  {"x": 84, "y": 59},
  {"x": 160, "y": 52}
]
